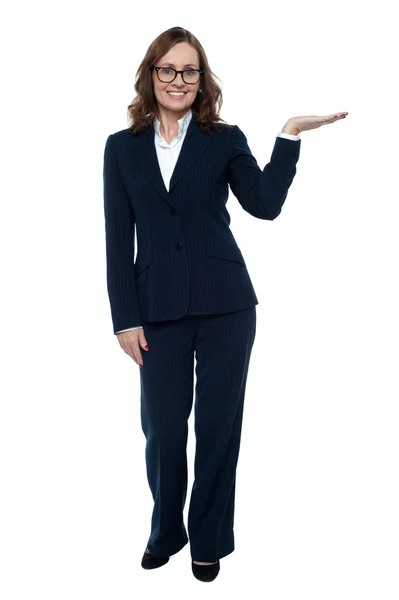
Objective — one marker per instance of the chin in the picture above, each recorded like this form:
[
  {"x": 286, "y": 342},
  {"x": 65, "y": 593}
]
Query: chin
[{"x": 177, "y": 106}]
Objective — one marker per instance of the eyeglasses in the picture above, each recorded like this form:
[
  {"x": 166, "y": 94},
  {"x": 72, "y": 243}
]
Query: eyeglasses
[{"x": 167, "y": 74}]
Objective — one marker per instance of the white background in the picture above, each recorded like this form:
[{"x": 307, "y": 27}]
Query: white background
[{"x": 317, "y": 482}]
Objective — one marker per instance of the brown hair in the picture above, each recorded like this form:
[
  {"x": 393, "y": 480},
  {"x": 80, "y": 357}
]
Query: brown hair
[{"x": 143, "y": 109}]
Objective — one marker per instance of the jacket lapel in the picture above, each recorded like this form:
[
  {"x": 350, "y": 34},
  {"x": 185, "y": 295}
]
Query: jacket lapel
[{"x": 194, "y": 143}]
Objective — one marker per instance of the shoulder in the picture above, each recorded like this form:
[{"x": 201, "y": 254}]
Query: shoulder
[
  {"x": 120, "y": 135},
  {"x": 119, "y": 140},
  {"x": 214, "y": 127},
  {"x": 225, "y": 128},
  {"x": 232, "y": 131}
]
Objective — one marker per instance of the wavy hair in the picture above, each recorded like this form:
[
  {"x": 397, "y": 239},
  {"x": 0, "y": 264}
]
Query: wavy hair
[{"x": 143, "y": 109}]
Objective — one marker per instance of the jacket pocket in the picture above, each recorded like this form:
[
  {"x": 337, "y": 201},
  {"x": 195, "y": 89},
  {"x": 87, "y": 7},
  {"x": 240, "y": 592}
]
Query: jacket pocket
[
  {"x": 143, "y": 259},
  {"x": 225, "y": 250}
]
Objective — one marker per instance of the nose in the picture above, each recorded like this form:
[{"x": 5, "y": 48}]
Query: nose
[{"x": 179, "y": 81}]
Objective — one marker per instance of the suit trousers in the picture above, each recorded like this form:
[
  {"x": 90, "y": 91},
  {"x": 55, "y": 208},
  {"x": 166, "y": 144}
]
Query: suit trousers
[{"x": 222, "y": 345}]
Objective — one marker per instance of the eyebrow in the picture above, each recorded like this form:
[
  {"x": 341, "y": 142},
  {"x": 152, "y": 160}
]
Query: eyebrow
[{"x": 189, "y": 65}]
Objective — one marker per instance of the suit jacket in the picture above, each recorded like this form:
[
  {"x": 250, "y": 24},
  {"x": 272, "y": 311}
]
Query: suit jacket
[{"x": 188, "y": 262}]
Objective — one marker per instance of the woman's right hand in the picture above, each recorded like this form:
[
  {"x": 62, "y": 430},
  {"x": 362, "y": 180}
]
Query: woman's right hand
[{"x": 131, "y": 341}]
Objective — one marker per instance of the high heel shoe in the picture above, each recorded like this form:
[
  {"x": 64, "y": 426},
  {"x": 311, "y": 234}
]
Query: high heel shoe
[
  {"x": 205, "y": 572},
  {"x": 150, "y": 561}
]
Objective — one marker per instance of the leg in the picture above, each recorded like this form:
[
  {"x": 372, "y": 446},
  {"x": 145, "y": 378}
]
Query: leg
[
  {"x": 166, "y": 403},
  {"x": 223, "y": 349}
]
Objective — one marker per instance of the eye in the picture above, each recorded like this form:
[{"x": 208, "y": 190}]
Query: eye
[{"x": 166, "y": 70}]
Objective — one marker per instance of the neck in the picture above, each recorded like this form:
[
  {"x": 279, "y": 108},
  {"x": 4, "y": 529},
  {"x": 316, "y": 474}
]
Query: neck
[{"x": 169, "y": 120}]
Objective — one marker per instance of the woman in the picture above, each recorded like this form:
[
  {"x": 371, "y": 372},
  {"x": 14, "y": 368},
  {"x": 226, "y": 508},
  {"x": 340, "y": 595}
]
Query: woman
[{"x": 189, "y": 293}]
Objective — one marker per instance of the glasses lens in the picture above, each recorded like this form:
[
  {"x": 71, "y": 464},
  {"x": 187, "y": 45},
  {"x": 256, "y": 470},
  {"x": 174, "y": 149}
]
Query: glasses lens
[
  {"x": 167, "y": 74},
  {"x": 191, "y": 76}
]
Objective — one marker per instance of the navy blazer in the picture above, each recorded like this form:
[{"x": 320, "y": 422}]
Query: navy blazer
[{"x": 188, "y": 261}]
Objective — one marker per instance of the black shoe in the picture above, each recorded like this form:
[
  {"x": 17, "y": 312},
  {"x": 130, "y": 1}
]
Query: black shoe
[
  {"x": 149, "y": 561},
  {"x": 205, "y": 572}
]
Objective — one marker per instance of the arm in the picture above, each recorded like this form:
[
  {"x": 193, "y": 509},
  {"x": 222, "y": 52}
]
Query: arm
[
  {"x": 119, "y": 236},
  {"x": 262, "y": 193}
]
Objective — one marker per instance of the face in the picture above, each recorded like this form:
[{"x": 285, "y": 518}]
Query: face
[{"x": 181, "y": 56}]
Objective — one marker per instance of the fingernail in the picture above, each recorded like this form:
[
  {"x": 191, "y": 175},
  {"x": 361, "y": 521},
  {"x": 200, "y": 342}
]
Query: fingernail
[
  {"x": 147, "y": 347},
  {"x": 141, "y": 366}
]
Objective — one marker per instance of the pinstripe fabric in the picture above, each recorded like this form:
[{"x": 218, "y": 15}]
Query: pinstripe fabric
[
  {"x": 222, "y": 345},
  {"x": 188, "y": 262},
  {"x": 167, "y": 154}
]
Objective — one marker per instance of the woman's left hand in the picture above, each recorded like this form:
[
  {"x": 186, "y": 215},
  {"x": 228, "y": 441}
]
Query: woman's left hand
[{"x": 296, "y": 125}]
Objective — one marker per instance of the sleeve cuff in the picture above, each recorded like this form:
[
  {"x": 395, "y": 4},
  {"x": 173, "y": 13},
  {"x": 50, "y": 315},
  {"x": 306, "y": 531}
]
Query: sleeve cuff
[{"x": 288, "y": 136}]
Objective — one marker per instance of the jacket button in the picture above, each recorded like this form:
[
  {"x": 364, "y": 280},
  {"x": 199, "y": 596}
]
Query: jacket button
[
  {"x": 178, "y": 246},
  {"x": 172, "y": 211}
]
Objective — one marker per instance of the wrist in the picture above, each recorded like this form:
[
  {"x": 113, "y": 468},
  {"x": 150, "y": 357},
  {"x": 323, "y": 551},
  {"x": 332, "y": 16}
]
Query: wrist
[{"x": 289, "y": 127}]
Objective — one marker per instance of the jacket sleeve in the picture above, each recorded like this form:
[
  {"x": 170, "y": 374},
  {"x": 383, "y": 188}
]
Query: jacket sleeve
[
  {"x": 119, "y": 239},
  {"x": 262, "y": 193}
]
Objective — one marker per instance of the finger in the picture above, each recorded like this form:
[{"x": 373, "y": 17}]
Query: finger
[
  {"x": 339, "y": 115},
  {"x": 137, "y": 354},
  {"x": 328, "y": 119},
  {"x": 143, "y": 342},
  {"x": 144, "y": 345},
  {"x": 134, "y": 353}
]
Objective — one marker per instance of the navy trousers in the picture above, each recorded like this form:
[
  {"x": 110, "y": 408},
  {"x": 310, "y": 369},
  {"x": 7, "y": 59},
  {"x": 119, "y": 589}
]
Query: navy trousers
[{"x": 222, "y": 346}]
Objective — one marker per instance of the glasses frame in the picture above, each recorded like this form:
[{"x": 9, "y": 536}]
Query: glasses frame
[{"x": 200, "y": 71}]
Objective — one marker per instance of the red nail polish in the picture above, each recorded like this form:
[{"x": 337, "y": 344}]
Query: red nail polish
[
  {"x": 147, "y": 347},
  {"x": 141, "y": 366}
]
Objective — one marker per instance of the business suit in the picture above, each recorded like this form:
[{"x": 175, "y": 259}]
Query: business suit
[{"x": 190, "y": 288}]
